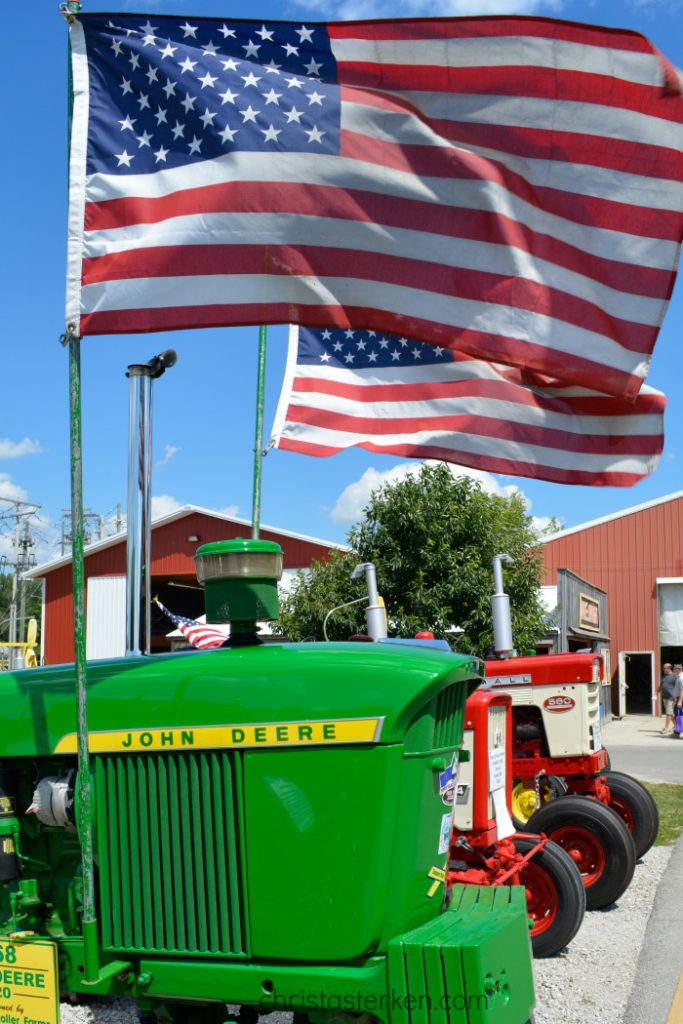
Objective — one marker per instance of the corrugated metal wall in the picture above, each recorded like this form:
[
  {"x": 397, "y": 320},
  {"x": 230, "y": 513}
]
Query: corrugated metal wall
[
  {"x": 624, "y": 557},
  {"x": 172, "y": 555}
]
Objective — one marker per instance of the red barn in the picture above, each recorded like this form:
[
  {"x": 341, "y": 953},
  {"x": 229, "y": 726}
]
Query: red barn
[
  {"x": 175, "y": 538},
  {"x": 636, "y": 557}
]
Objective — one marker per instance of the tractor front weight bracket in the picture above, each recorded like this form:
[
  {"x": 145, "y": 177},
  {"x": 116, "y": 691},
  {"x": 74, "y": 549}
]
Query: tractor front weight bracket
[{"x": 501, "y": 865}]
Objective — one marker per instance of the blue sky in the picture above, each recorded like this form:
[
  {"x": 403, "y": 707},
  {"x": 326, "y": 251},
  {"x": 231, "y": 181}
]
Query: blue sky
[{"x": 204, "y": 407}]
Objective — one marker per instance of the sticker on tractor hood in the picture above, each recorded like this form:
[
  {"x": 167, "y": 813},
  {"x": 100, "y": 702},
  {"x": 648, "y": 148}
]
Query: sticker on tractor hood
[
  {"x": 445, "y": 832},
  {"x": 558, "y": 705},
  {"x": 265, "y": 734}
]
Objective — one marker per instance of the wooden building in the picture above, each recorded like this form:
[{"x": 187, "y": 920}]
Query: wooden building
[
  {"x": 636, "y": 558},
  {"x": 175, "y": 538}
]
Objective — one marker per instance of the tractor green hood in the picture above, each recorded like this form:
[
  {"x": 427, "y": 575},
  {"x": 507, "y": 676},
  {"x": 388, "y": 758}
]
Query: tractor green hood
[{"x": 269, "y": 695}]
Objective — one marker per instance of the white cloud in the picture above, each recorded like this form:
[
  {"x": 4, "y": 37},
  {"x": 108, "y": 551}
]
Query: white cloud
[
  {"x": 170, "y": 452},
  {"x": 353, "y": 499},
  {"x": 17, "y": 449},
  {"x": 655, "y": 5},
  {"x": 8, "y": 489},
  {"x": 164, "y": 505},
  {"x": 6, "y": 549},
  {"x": 540, "y": 524},
  {"x": 351, "y": 502},
  {"x": 361, "y": 9}
]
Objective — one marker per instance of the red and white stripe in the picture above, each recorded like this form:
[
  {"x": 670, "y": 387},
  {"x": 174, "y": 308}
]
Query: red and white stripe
[
  {"x": 511, "y": 188},
  {"x": 474, "y": 414},
  {"x": 204, "y": 637}
]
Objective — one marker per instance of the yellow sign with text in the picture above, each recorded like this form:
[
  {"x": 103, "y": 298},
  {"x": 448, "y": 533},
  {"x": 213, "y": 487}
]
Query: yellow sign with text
[
  {"x": 29, "y": 992},
  {"x": 267, "y": 734}
]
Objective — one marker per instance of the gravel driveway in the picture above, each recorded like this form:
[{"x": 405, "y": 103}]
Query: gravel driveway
[{"x": 588, "y": 984}]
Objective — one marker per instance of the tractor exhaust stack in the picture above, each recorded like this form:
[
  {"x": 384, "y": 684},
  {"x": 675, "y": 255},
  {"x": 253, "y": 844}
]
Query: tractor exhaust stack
[
  {"x": 500, "y": 609},
  {"x": 139, "y": 530},
  {"x": 375, "y": 616}
]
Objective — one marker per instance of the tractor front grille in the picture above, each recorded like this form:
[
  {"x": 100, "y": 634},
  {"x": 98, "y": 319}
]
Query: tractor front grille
[
  {"x": 448, "y": 722},
  {"x": 169, "y": 853}
]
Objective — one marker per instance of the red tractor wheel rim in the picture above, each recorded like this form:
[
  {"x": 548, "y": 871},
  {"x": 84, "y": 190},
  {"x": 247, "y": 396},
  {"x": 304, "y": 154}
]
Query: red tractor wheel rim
[
  {"x": 541, "y": 898},
  {"x": 623, "y": 810},
  {"x": 585, "y": 850}
]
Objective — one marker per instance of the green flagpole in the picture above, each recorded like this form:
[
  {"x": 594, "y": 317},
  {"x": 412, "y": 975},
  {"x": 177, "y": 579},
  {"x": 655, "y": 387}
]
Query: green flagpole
[
  {"x": 258, "y": 441},
  {"x": 91, "y": 968},
  {"x": 85, "y": 827}
]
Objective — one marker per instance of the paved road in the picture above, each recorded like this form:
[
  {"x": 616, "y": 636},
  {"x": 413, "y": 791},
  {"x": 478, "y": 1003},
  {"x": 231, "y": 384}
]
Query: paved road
[
  {"x": 635, "y": 747},
  {"x": 657, "y": 993},
  {"x": 661, "y": 762}
]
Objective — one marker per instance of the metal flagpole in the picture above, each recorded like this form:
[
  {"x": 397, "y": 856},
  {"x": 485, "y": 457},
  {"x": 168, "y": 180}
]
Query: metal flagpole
[
  {"x": 258, "y": 441},
  {"x": 84, "y": 793},
  {"x": 85, "y": 830}
]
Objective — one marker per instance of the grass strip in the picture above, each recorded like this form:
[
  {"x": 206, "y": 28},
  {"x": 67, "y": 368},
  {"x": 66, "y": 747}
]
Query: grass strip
[{"x": 669, "y": 799}]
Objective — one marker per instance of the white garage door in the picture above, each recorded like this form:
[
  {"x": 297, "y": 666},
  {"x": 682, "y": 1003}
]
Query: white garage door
[
  {"x": 106, "y": 620},
  {"x": 670, "y": 612}
]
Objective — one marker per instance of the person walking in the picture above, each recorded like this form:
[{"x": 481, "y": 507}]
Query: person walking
[
  {"x": 670, "y": 690},
  {"x": 678, "y": 700}
]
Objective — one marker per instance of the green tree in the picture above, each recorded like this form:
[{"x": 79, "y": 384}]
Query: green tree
[
  {"x": 314, "y": 594},
  {"x": 432, "y": 537}
]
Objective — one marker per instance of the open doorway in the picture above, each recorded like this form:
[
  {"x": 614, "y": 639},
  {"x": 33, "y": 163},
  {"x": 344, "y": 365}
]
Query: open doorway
[
  {"x": 637, "y": 683},
  {"x": 672, "y": 655}
]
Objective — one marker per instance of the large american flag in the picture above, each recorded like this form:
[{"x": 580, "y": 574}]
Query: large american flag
[
  {"x": 390, "y": 394},
  {"x": 508, "y": 187}
]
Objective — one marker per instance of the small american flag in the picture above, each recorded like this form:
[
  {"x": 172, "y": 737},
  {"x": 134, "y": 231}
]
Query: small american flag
[
  {"x": 508, "y": 187},
  {"x": 198, "y": 634},
  {"x": 389, "y": 394}
]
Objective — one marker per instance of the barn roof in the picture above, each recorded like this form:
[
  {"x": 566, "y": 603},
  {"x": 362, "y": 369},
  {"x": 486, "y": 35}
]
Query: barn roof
[
  {"x": 181, "y": 513},
  {"x": 614, "y": 515}
]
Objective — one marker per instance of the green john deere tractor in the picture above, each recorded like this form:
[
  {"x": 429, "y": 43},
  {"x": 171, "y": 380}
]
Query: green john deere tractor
[{"x": 268, "y": 830}]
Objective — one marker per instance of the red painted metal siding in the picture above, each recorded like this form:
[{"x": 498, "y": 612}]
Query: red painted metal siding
[
  {"x": 624, "y": 557},
  {"x": 58, "y": 624},
  {"x": 172, "y": 555}
]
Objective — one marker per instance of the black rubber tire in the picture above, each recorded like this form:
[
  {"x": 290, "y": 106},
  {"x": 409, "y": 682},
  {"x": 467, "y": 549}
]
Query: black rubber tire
[
  {"x": 603, "y": 832},
  {"x": 636, "y": 808},
  {"x": 561, "y": 875}
]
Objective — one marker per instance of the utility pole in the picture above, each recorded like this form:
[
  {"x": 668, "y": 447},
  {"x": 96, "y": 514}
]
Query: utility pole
[
  {"x": 22, "y": 511},
  {"x": 95, "y": 529},
  {"x": 26, "y": 561},
  {"x": 13, "y": 600}
]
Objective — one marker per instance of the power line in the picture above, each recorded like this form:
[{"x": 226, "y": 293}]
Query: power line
[{"x": 23, "y": 560}]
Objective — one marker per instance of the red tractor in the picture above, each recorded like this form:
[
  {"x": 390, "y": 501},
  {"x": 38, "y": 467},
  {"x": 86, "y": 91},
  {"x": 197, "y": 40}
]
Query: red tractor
[
  {"x": 478, "y": 835},
  {"x": 605, "y": 819},
  {"x": 485, "y": 848}
]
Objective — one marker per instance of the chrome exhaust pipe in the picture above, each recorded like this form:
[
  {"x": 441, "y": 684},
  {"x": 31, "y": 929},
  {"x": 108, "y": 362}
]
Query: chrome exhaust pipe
[
  {"x": 500, "y": 609},
  {"x": 139, "y": 527},
  {"x": 375, "y": 615}
]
